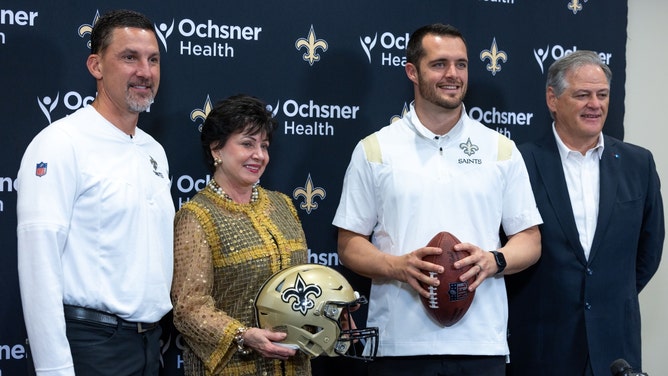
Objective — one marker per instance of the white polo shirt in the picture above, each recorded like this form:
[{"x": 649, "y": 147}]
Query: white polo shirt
[
  {"x": 404, "y": 184},
  {"x": 95, "y": 229}
]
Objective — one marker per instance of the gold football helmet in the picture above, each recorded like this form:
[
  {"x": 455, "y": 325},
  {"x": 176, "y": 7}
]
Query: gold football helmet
[{"x": 312, "y": 304}]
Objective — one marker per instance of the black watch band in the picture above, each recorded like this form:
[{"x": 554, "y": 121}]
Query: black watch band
[{"x": 500, "y": 261}]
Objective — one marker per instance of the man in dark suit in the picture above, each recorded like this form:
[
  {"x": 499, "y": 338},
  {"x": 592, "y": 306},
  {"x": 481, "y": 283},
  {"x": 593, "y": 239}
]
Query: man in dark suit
[{"x": 576, "y": 310}]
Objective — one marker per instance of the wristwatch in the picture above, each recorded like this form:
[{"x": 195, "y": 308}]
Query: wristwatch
[{"x": 500, "y": 261}]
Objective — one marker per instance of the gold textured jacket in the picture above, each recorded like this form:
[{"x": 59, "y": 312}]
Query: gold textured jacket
[{"x": 223, "y": 253}]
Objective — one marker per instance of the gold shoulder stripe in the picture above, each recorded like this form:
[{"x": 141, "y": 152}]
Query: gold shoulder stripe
[
  {"x": 372, "y": 148},
  {"x": 505, "y": 148}
]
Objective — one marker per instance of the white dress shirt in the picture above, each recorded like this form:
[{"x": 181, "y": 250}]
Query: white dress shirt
[{"x": 583, "y": 181}]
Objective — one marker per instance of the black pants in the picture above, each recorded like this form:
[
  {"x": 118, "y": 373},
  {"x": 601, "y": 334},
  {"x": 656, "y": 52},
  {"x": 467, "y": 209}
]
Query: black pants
[
  {"x": 438, "y": 365},
  {"x": 99, "y": 350}
]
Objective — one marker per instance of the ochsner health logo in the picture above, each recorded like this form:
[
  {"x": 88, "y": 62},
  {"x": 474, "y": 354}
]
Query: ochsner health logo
[
  {"x": 394, "y": 47},
  {"x": 368, "y": 44},
  {"x": 163, "y": 31},
  {"x": 205, "y": 39},
  {"x": 72, "y": 101},
  {"x": 556, "y": 52},
  {"x": 47, "y": 105}
]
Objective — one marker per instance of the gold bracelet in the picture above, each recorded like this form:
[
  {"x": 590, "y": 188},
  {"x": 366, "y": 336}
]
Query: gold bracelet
[{"x": 239, "y": 340}]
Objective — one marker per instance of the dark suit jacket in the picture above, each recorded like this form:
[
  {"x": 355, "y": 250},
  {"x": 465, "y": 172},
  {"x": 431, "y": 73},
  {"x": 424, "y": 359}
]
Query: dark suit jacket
[{"x": 565, "y": 308}]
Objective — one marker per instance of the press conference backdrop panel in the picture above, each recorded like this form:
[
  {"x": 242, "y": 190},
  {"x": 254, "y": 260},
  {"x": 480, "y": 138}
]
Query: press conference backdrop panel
[{"x": 333, "y": 72}]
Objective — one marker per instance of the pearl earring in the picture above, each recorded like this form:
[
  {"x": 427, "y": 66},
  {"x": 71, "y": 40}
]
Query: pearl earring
[{"x": 217, "y": 161}]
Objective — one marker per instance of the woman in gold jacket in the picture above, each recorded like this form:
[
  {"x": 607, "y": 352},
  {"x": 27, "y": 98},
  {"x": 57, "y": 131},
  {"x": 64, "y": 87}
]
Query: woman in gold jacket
[{"x": 229, "y": 239}]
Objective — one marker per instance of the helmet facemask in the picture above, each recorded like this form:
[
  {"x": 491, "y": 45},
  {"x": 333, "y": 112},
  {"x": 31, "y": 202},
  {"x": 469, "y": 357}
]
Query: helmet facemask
[
  {"x": 353, "y": 340},
  {"x": 312, "y": 304}
]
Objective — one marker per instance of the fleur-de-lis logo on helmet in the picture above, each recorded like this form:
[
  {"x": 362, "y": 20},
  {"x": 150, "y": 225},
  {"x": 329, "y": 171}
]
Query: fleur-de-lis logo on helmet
[
  {"x": 309, "y": 192},
  {"x": 301, "y": 292},
  {"x": 494, "y": 55},
  {"x": 312, "y": 44},
  {"x": 468, "y": 147},
  {"x": 323, "y": 298}
]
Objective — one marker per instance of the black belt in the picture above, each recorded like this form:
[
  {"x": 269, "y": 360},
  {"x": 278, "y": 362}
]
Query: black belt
[{"x": 99, "y": 317}]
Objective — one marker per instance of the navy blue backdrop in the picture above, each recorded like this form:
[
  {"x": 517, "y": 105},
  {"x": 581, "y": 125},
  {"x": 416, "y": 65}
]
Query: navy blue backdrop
[{"x": 333, "y": 72}]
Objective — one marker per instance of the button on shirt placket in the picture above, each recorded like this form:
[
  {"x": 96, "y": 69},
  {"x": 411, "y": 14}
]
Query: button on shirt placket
[{"x": 441, "y": 143}]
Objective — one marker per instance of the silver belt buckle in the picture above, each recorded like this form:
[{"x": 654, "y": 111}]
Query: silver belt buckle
[{"x": 140, "y": 328}]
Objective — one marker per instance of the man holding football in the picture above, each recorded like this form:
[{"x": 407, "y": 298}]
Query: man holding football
[{"x": 437, "y": 170}]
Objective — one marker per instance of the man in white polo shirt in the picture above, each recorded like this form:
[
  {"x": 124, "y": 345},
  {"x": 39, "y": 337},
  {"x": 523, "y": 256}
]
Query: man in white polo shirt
[
  {"x": 437, "y": 170},
  {"x": 95, "y": 219}
]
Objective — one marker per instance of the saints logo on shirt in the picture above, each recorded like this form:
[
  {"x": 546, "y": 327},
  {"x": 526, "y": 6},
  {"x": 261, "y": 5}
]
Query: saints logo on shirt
[{"x": 155, "y": 167}]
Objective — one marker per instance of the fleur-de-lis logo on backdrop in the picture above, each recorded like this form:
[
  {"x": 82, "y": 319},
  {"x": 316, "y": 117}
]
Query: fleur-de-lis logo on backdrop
[
  {"x": 87, "y": 29},
  {"x": 468, "y": 147},
  {"x": 312, "y": 44},
  {"x": 575, "y": 6},
  {"x": 399, "y": 117},
  {"x": 300, "y": 292},
  {"x": 494, "y": 55},
  {"x": 201, "y": 113},
  {"x": 309, "y": 193}
]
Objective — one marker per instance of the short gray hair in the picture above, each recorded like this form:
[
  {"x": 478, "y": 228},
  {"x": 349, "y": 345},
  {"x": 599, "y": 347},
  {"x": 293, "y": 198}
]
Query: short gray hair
[{"x": 556, "y": 75}]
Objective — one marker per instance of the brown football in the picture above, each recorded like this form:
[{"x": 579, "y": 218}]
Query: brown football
[{"x": 449, "y": 301}]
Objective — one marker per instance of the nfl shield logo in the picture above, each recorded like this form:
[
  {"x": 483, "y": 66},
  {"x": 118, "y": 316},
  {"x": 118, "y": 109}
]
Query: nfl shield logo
[{"x": 40, "y": 169}]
